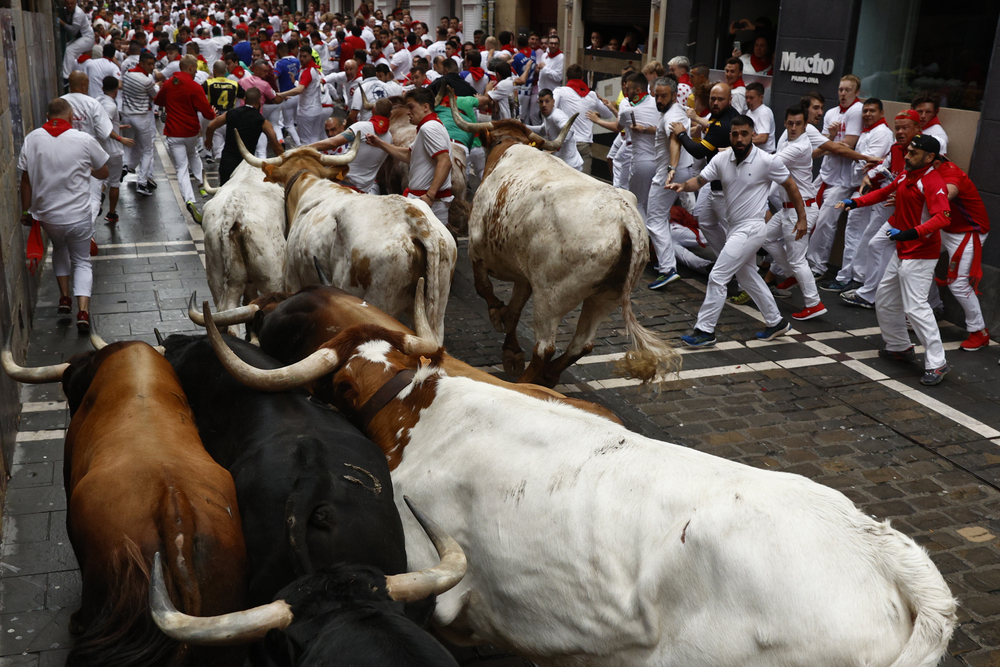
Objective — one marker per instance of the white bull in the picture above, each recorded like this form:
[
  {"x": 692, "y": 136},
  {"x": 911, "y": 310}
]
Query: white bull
[
  {"x": 588, "y": 544},
  {"x": 563, "y": 237},
  {"x": 244, "y": 227},
  {"x": 374, "y": 247}
]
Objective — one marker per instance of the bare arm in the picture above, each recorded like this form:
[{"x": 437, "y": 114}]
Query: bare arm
[
  {"x": 675, "y": 157},
  {"x": 606, "y": 124},
  {"x": 760, "y": 139},
  {"x": 100, "y": 174},
  {"x": 401, "y": 154},
  {"x": 690, "y": 185},
  {"x": 842, "y": 150},
  {"x": 331, "y": 143},
  {"x": 952, "y": 191},
  {"x": 214, "y": 125},
  {"x": 25, "y": 198}
]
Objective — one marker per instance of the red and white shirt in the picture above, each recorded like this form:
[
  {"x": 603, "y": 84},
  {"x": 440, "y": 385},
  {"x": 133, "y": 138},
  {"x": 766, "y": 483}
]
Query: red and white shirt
[
  {"x": 921, "y": 204},
  {"x": 432, "y": 140},
  {"x": 311, "y": 99}
]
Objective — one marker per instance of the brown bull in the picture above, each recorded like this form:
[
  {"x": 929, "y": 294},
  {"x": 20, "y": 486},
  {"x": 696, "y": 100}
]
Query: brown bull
[
  {"x": 138, "y": 481},
  {"x": 290, "y": 327}
]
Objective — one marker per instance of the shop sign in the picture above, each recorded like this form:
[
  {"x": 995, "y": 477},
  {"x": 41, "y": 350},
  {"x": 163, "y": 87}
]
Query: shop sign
[{"x": 804, "y": 65}]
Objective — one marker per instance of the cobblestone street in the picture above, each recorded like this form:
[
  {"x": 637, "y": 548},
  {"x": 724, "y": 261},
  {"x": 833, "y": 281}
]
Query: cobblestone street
[{"x": 818, "y": 403}]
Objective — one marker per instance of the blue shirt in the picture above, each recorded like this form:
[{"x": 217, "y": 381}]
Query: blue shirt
[
  {"x": 287, "y": 70},
  {"x": 519, "y": 63},
  {"x": 245, "y": 51}
]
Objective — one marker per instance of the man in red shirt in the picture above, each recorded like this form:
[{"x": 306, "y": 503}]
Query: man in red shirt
[
  {"x": 184, "y": 100},
  {"x": 922, "y": 210},
  {"x": 963, "y": 239}
]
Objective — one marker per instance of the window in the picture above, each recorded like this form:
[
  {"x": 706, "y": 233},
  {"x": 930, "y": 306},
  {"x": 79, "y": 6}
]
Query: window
[{"x": 905, "y": 47}]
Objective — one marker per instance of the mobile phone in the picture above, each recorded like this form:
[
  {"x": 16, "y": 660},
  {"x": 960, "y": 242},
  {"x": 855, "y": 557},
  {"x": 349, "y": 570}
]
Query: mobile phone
[
  {"x": 631, "y": 116},
  {"x": 736, "y": 46}
]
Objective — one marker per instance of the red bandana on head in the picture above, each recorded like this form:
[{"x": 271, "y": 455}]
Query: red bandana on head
[
  {"x": 57, "y": 126},
  {"x": 578, "y": 87},
  {"x": 380, "y": 123}
]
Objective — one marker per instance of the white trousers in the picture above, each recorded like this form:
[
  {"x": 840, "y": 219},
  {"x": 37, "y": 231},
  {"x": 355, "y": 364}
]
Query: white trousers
[
  {"x": 789, "y": 253},
  {"x": 289, "y": 113},
  {"x": 640, "y": 180},
  {"x": 659, "y": 201},
  {"x": 71, "y": 253},
  {"x": 82, "y": 44},
  {"x": 738, "y": 258},
  {"x": 821, "y": 241},
  {"x": 961, "y": 289},
  {"x": 219, "y": 142},
  {"x": 682, "y": 239},
  {"x": 141, "y": 155},
  {"x": 868, "y": 219},
  {"x": 313, "y": 128},
  {"x": 903, "y": 291},
  {"x": 274, "y": 114},
  {"x": 711, "y": 213},
  {"x": 184, "y": 154},
  {"x": 880, "y": 249}
]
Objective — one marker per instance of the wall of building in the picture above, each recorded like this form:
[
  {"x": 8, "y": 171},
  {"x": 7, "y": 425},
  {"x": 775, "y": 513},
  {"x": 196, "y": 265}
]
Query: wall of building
[{"x": 30, "y": 84}]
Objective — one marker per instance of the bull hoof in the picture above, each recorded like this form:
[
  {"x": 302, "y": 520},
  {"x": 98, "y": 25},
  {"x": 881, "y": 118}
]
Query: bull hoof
[{"x": 513, "y": 362}]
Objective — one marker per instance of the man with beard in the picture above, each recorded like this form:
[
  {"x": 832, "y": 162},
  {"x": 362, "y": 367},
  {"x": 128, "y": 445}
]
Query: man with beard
[{"x": 746, "y": 173}]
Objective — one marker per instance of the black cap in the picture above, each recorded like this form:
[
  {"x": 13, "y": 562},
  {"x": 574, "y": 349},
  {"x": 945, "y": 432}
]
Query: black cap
[{"x": 926, "y": 142}]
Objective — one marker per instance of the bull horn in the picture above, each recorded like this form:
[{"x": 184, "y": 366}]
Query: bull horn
[
  {"x": 223, "y": 318},
  {"x": 39, "y": 375},
  {"x": 95, "y": 338},
  {"x": 159, "y": 336},
  {"x": 204, "y": 184},
  {"x": 421, "y": 325},
  {"x": 557, "y": 143},
  {"x": 323, "y": 278},
  {"x": 413, "y": 586},
  {"x": 252, "y": 159},
  {"x": 240, "y": 627},
  {"x": 316, "y": 365},
  {"x": 346, "y": 158},
  {"x": 440, "y": 96},
  {"x": 364, "y": 100},
  {"x": 418, "y": 344},
  {"x": 464, "y": 125}
]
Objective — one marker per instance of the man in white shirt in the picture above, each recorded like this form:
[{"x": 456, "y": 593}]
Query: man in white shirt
[
  {"x": 841, "y": 124},
  {"x": 553, "y": 121},
  {"x": 550, "y": 69},
  {"x": 763, "y": 118},
  {"x": 429, "y": 156},
  {"x": 787, "y": 239},
  {"x": 374, "y": 90},
  {"x": 438, "y": 48},
  {"x": 640, "y": 121},
  {"x": 502, "y": 92},
  {"x": 734, "y": 77},
  {"x": 80, "y": 36},
  {"x": 138, "y": 91},
  {"x": 366, "y": 165},
  {"x": 927, "y": 104},
  {"x": 98, "y": 68},
  {"x": 208, "y": 47},
  {"x": 402, "y": 59},
  {"x": 746, "y": 173},
  {"x": 577, "y": 98},
  {"x": 673, "y": 164},
  {"x": 57, "y": 164},
  {"x": 114, "y": 149}
]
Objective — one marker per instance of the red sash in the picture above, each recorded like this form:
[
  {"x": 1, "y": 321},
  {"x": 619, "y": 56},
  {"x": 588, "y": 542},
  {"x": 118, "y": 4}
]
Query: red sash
[{"x": 975, "y": 270}]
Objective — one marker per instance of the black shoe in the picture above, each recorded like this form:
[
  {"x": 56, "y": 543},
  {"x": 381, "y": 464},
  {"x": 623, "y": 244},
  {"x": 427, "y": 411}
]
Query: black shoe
[
  {"x": 151, "y": 184},
  {"x": 124, "y": 173},
  {"x": 143, "y": 189},
  {"x": 112, "y": 218},
  {"x": 909, "y": 354}
]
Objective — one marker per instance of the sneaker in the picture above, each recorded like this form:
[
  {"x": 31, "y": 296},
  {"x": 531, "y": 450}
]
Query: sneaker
[
  {"x": 934, "y": 376},
  {"x": 834, "y": 285},
  {"x": 909, "y": 354},
  {"x": 851, "y": 298},
  {"x": 788, "y": 283},
  {"x": 664, "y": 279},
  {"x": 143, "y": 189},
  {"x": 130, "y": 170},
  {"x": 112, "y": 218},
  {"x": 83, "y": 322},
  {"x": 740, "y": 298},
  {"x": 65, "y": 305},
  {"x": 976, "y": 340},
  {"x": 770, "y": 333},
  {"x": 193, "y": 210},
  {"x": 809, "y": 313},
  {"x": 209, "y": 159},
  {"x": 939, "y": 313},
  {"x": 779, "y": 293},
  {"x": 699, "y": 339},
  {"x": 124, "y": 173},
  {"x": 203, "y": 192},
  {"x": 151, "y": 184}
]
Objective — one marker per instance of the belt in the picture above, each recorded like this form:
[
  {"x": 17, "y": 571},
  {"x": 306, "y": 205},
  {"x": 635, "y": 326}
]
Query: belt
[
  {"x": 808, "y": 202},
  {"x": 420, "y": 193}
]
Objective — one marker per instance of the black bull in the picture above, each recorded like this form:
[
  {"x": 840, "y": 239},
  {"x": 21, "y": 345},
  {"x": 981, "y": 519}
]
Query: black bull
[{"x": 312, "y": 490}]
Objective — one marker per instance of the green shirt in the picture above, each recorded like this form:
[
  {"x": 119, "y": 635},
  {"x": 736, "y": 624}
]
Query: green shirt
[{"x": 467, "y": 107}]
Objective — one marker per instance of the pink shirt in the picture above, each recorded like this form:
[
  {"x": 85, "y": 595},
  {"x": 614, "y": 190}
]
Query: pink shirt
[{"x": 251, "y": 81}]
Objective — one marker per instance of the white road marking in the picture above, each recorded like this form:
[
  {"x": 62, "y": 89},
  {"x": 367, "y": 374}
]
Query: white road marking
[
  {"x": 33, "y": 436},
  {"x": 944, "y": 410},
  {"x": 43, "y": 406}
]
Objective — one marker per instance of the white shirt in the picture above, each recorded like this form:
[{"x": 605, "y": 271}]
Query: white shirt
[
  {"x": 368, "y": 36},
  {"x": 434, "y": 50},
  {"x": 570, "y": 102},
  {"x": 643, "y": 145},
  {"x": 877, "y": 142},
  {"x": 763, "y": 123},
  {"x": 113, "y": 148},
  {"x": 59, "y": 172},
  {"x": 432, "y": 140},
  {"x": 501, "y": 94},
  {"x": 938, "y": 133},
  {"x": 675, "y": 114},
  {"x": 310, "y": 100},
  {"x": 130, "y": 62},
  {"x": 745, "y": 185},
  {"x": 89, "y": 116},
  {"x": 369, "y": 160},
  {"x": 374, "y": 90},
  {"x": 551, "y": 75},
  {"x": 797, "y": 158},
  {"x": 739, "y": 99},
  {"x": 550, "y": 128},
  {"x": 208, "y": 48},
  {"x": 836, "y": 170},
  {"x": 401, "y": 63},
  {"x": 81, "y": 21},
  {"x": 478, "y": 86},
  {"x": 98, "y": 68}
]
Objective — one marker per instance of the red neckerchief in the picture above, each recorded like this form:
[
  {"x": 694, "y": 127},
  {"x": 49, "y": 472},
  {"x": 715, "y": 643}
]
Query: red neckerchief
[
  {"x": 477, "y": 73},
  {"x": 639, "y": 99},
  {"x": 57, "y": 126},
  {"x": 508, "y": 48},
  {"x": 177, "y": 58},
  {"x": 880, "y": 122},
  {"x": 428, "y": 118},
  {"x": 932, "y": 121},
  {"x": 917, "y": 174},
  {"x": 844, "y": 109},
  {"x": 239, "y": 72},
  {"x": 739, "y": 83},
  {"x": 413, "y": 48},
  {"x": 201, "y": 59},
  {"x": 557, "y": 53},
  {"x": 380, "y": 123},
  {"x": 138, "y": 70},
  {"x": 526, "y": 52},
  {"x": 84, "y": 58},
  {"x": 578, "y": 87},
  {"x": 758, "y": 65},
  {"x": 684, "y": 79}
]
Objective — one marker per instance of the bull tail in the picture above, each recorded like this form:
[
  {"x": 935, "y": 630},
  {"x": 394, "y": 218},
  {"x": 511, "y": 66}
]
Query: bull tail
[
  {"x": 123, "y": 631},
  {"x": 925, "y": 593},
  {"x": 650, "y": 356},
  {"x": 440, "y": 251}
]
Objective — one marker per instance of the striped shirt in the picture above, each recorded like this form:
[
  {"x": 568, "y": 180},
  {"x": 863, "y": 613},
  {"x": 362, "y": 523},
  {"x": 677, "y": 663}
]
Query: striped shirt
[{"x": 137, "y": 91}]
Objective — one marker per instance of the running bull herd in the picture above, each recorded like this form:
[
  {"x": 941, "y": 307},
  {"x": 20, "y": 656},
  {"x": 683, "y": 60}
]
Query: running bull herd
[{"x": 342, "y": 491}]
